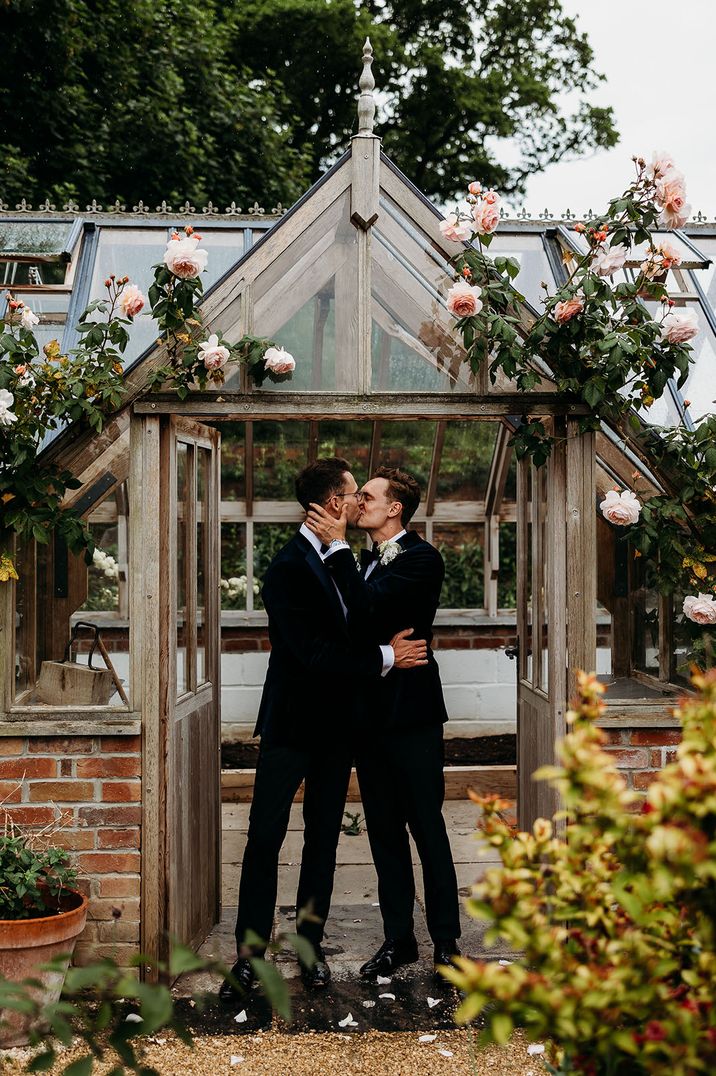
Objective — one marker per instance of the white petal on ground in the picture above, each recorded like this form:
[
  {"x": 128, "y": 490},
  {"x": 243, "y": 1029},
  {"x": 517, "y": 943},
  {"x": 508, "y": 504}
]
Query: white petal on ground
[
  {"x": 535, "y": 1048},
  {"x": 375, "y": 904},
  {"x": 432, "y": 1002},
  {"x": 504, "y": 963},
  {"x": 133, "y": 1018},
  {"x": 241, "y": 1017},
  {"x": 237, "y": 1059},
  {"x": 391, "y": 997},
  {"x": 383, "y": 980},
  {"x": 369, "y": 1004},
  {"x": 445, "y": 1053},
  {"x": 348, "y": 1021},
  {"x": 427, "y": 1038}
]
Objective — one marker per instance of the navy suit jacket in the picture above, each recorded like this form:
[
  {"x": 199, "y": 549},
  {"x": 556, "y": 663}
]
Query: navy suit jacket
[
  {"x": 404, "y": 593},
  {"x": 316, "y": 660}
]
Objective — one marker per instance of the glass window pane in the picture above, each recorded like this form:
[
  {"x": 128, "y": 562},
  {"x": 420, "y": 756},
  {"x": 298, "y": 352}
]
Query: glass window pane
[
  {"x": 307, "y": 300},
  {"x": 234, "y": 582},
  {"x": 103, "y": 573},
  {"x": 408, "y": 445},
  {"x": 414, "y": 347},
  {"x": 507, "y": 576},
  {"x": 528, "y": 250},
  {"x": 50, "y": 307},
  {"x": 280, "y": 452},
  {"x": 700, "y": 387},
  {"x": 644, "y": 600},
  {"x": 233, "y": 461},
  {"x": 203, "y": 462},
  {"x": 350, "y": 440},
  {"x": 225, "y": 246},
  {"x": 130, "y": 252},
  {"x": 269, "y": 538},
  {"x": 461, "y": 545},
  {"x": 25, "y": 622},
  {"x": 180, "y": 591},
  {"x": 465, "y": 461}
]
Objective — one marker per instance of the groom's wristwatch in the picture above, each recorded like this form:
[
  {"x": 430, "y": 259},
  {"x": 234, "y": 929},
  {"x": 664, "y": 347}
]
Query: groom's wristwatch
[{"x": 337, "y": 543}]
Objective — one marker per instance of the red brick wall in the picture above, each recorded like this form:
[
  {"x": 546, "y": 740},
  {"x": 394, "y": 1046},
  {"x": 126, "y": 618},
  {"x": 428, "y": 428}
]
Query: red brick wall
[
  {"x": 642, "y": 752},
  {"x": 90, "y": 785}
]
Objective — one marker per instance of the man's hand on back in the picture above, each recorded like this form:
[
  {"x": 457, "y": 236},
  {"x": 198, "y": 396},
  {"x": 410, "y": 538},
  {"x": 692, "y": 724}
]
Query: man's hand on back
[
  {"x": 325, "y": 526},
  {"x": 409, "y": 653}
]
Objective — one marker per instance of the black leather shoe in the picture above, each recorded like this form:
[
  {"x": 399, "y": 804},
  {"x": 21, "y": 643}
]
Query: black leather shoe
[
  {"x": 392, "y": 954},
  {"x": 243, "y": 973},
  {"x": 444, "y": 952},
  {"x": 318, "y": 976}
]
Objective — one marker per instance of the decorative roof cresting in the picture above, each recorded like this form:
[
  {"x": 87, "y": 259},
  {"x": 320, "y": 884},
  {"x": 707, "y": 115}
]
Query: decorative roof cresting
[{"x": 366, "y": 101}]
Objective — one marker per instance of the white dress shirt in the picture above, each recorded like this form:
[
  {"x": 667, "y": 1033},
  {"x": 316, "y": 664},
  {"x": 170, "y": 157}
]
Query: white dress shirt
[{"x": 385, "y": 649}]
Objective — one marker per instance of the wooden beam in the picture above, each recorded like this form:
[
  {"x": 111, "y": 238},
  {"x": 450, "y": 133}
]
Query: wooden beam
[{"x": 435, "y": 467}]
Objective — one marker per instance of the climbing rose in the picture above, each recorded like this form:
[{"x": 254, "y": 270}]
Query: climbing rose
[
  {"x": 463, "y": 299},
  {"x": 607, "y": 260},
  {"x": 131, "y": 301},
  {"x": 676, "y": 210},
  {"x": 621, "y": 508},
  {"x": 213, "y": 354},
  {"x": 565, "y": 311},
  {"x": 486, "y": 216},
  {"x": 455, "y": 229},
  {"x": 661, "y": 163},
  {"x": 279, "y": 361},
  {"x": 27, "y": 319},
  {"x": 474, "y": 187},
  {"x": 183, "y": 259},
  {"x": 701, "y": 610},
  {"x": 679, "y": 326},
  {"x": 6, "y": 401}
]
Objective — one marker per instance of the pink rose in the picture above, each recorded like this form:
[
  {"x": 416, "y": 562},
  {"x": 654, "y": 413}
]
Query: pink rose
[
  {"x": 621, "y": 508},
  {"x": 455, "y": 229},
  {"x": 131, "y": 301},
  {"x": 669, "y": 253},
  {"x": 678, "y": 326},
  {"x": 213, "y": 354},
  {"x": 486, "y": 216},
  {"x": 463, "y": 299},
  {"x": 279, "y": 361},
  {"x": 606, "y": 260},
  {"x": 661, "y": 163},
  {"x": 183, "y": 259},
  {"x": 474, "y": 187},
  {"x": 492, "y": 198},
  {"x": 566, "y": 310},
  {"x": 701, "y": 610}
]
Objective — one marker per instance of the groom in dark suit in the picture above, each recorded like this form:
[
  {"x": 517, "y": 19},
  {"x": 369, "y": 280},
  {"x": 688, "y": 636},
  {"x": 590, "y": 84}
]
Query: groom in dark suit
[
  {"x": 306, "y": 719},
  {"x": 400, "y": 753}
]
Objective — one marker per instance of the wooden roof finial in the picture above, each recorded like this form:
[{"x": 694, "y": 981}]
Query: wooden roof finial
[{"x": 366, "y": 101}]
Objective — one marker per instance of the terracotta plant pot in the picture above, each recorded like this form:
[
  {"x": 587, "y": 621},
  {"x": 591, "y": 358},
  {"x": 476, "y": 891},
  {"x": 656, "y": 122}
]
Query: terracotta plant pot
[{"x": 27, "y": 944}]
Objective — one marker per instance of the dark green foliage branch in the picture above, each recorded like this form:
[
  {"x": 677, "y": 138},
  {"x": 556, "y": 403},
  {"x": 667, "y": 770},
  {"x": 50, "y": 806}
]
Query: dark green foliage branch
[{"x": 209, "y": 99}]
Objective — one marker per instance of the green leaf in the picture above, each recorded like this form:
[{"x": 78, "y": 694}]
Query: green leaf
[
  {"x": 43, "y": 1062},
  {"x": 501, "y": 1026},
  {"x": 274, "y": 986},
  {"x": 82, "y": 1067}
]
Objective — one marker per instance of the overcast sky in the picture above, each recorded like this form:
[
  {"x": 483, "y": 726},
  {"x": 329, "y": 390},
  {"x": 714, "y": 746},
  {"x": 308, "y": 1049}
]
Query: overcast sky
[{"x": 660, "y": 61}]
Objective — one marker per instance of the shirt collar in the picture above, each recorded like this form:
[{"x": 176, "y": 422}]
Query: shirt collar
[
  {"x": 312, "y": 538},
  {"x": 398, "y": 536}
]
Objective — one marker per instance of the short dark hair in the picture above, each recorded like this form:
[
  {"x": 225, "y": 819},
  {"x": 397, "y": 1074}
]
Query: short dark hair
[
  {"x": 401, "y": 487},
  {"x": 320, "y": 480}
]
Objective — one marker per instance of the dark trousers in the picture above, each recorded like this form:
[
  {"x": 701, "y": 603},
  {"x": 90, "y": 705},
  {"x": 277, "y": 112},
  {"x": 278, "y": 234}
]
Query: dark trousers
[
  {"x": 280, "y": 770},
  {"x": 403, "y": 788}
]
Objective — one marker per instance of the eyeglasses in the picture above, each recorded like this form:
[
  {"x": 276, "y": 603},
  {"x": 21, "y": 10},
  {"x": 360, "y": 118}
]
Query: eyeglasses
[{"x": 357, "y": 494}]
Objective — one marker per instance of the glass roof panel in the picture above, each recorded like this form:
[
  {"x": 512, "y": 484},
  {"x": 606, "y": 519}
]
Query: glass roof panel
[
  {"x": 526, "y": 248},
  {"x": 307, "y": 301},
  {"x": 48, "y": 238},
  {"x": 130, "y": 252},
  {"x": 700, "y": 387},
  {"x": 692, "y": 255},
  {"x": 414, "y": 348}
]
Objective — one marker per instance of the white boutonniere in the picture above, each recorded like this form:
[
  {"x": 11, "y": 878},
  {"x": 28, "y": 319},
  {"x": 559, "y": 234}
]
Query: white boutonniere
[{"x": 389, "y": 551}]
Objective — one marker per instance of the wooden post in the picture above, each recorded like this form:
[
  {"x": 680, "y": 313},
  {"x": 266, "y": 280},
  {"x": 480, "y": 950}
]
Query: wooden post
[
  {"x": 365, "y": 151},
  {"x": 581, "y": 538}
]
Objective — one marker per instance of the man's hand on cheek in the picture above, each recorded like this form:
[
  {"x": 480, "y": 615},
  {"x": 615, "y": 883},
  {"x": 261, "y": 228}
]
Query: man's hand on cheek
[
  {"x": 325, "y": 526},
  {"x": 409, "y": 653}
]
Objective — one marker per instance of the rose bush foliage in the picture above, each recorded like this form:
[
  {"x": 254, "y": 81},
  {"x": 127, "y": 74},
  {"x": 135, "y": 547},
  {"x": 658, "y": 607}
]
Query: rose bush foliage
[{"x": 614, "y": 927}]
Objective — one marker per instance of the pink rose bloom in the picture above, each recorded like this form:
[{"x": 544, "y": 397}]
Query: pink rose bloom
[
  {"x": 566, "y": 310},
  {"x": 701, "y": 610},
  {"x": 474, "y": 187},
  {"x": 213, "y": 354},
  {"x": 621, "y": 508},
  {"x": 455, "y": 229},
  {"x": 670, "y": 254},
  {"x": 661, "y": 163},
  {"x": 607, "y": 260},
  {"x": 675, "y": 210},
  {"x": 131, "y": 301},
  {"x": 279, "y": 361},
  {"x": 486, "y": 217},
  {"x": 678, "y": 326},
  {"x": 183, "y": 259},
  {"x": 491, "y": 197},
  {"x": 463, "y": 299}
]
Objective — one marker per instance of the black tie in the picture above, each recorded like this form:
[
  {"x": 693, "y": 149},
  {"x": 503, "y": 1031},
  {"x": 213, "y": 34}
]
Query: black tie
[{"x": 367, "y": 556}]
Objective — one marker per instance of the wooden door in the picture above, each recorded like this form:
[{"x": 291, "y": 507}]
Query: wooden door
[
  {"x": 176, "y": 501},
  {"x": 541, "y": 629}
]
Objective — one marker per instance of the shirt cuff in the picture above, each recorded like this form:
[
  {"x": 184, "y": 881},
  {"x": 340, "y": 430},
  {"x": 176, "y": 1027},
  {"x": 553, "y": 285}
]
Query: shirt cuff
[
  {"x": 388, "y": 658},
  {"x": 335, "y": 545}
]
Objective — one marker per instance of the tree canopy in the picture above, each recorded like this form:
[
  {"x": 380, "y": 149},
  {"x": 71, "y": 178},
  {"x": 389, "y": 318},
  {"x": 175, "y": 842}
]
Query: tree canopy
[{"x": 208, "y": 99}]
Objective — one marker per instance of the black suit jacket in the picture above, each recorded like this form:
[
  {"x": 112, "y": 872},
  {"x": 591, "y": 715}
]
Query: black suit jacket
[
  {"x": 315, "y": 662},
  {"x": 404, "y": 593}
]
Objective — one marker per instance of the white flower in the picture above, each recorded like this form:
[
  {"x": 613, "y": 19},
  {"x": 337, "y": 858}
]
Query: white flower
[
  {"x": 213, "y": 354},
  {"x": 678, "y": 326},
  {"x": 701, "y": 610},
  {"x": 455, "y": 229},
  {"x": 6, "y": 401},
  {"x": 183, "y": 259},
  {"x": 535, "y": 1048},
  {"x": 621, "y": 508},
  {"x": 607, "y": 260},
  {"x": 279, "y": 361},
  {"x": 389, "y": 551},
  {"x": 28, "y": 319},
  {"x": 105, "y": 563}
]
